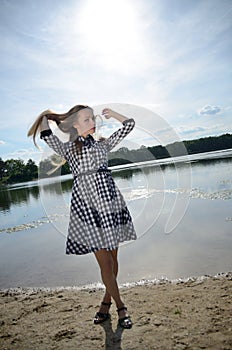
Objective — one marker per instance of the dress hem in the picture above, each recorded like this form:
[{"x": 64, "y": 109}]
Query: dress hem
[{"x": 93, "y": 250}]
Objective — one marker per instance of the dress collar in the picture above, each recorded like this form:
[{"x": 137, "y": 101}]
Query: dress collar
[{"x": 86, "y": 140}]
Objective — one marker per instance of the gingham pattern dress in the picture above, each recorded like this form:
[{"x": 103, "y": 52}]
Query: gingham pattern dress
[{"x": 99, "y": 217}]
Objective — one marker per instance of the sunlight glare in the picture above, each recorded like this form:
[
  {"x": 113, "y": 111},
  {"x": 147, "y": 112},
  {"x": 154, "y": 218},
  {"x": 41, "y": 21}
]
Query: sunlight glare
[{"x": 109, "y": 31}]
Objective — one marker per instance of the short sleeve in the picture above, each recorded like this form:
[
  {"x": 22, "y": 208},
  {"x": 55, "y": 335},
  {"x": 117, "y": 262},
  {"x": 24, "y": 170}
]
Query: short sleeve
[
  {"x": 54, "y": 142},
  {"x": 120, "y": 134}
]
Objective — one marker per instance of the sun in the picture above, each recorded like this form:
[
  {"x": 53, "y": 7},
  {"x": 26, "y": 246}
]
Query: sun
[
  {"x": 109, "y": 32},
  {"x": 107, "y": 24}
]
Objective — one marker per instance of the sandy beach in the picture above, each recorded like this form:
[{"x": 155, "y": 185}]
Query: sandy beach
[{"x": 195, "y": 314}]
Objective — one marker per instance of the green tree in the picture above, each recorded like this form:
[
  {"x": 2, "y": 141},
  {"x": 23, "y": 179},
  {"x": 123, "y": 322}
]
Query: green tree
[
  {"x": 2, "y": 169},
  {"x": 30, "y": 170},
  {"x": 14, "y": 170},
  {"x": 65, "y": 169}
]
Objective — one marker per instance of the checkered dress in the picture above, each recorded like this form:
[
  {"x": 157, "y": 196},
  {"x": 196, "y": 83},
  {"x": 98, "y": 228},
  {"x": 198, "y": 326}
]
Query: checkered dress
[{"x": 99, "y": 217}]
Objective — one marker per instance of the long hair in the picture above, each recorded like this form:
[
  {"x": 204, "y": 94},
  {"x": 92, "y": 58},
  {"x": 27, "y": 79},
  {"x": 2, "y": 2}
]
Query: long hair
[{"x": 64, "y": 122}]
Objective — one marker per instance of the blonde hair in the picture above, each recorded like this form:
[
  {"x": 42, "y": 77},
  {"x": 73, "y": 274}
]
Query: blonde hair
[{"x": 64, "y": 122}]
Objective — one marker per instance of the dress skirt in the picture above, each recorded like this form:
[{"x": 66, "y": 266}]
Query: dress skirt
[{"x": 99, "y": 217}]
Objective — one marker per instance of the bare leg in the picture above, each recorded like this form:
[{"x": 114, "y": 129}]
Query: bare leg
[
  {"x": 114, "y": 254},
  {"x": 109, "y": 268},
  {"x": 106, "y": 262}
]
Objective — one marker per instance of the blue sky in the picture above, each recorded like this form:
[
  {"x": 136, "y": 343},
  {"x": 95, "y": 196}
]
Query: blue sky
[{"x": 172, "y": 57}]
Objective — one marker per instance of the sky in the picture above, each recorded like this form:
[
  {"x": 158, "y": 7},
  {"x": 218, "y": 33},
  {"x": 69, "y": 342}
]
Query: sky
[{"x": 167, "y": 63}]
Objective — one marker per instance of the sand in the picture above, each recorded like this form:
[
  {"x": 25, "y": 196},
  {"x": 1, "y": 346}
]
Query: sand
[{"x": 196, "y": 314}]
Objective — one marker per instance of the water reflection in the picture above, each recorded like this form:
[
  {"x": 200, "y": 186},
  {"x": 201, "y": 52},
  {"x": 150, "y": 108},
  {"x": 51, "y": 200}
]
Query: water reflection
[
  {"x": 126, "y": 173},
  {"x": 19, "y": 196},
  {"x": 58, "y": 187},
  {"x": 214, "y": 162}
]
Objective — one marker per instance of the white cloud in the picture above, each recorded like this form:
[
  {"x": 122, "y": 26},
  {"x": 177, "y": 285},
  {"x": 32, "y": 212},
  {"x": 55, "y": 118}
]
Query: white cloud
[
  {"x": 24, "y": 154},
  {"x": 2, "y": 142},
  {"x": 187, "y": 130},
  {"x": 193, "y": 131},
  {"x": 210, "y": 110}
]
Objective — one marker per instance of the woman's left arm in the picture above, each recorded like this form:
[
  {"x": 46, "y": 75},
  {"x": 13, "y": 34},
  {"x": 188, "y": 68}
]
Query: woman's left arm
[{"x": 119, "y": 135}]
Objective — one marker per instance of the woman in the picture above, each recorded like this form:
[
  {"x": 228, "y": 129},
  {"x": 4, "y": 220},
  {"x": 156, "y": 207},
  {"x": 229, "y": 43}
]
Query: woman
[{"x": 99, "y": 217}]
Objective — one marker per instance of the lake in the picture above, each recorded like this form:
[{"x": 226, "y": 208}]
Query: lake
[{"x": 182, "y": 212}]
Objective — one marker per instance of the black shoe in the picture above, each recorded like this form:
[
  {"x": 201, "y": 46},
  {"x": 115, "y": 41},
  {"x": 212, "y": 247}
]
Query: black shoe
[
  {"x": 102, "y": 316},
  {"x": 124, "y": 322}
]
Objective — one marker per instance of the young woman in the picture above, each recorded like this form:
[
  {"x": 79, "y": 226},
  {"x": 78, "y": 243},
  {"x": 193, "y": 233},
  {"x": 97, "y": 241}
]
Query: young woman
[{"x": 99, "y": 217}]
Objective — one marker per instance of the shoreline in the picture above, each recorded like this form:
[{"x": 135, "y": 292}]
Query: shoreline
[
  {"x": 99, "y": 286},
  {"x": 191, "y": 314}
]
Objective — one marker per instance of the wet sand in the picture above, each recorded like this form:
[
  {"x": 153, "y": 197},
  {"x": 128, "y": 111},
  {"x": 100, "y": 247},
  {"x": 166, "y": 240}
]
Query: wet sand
[{"x": 196, "y": 314}]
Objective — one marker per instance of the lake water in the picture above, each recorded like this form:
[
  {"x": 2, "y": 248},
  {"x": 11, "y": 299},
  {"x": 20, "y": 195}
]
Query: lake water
[{"x": 182, "y": 211}]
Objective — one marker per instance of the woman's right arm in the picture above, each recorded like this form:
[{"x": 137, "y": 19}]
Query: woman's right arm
[
  {"x": 44, "y": 124},
  {"x": 52, "y": 140}
]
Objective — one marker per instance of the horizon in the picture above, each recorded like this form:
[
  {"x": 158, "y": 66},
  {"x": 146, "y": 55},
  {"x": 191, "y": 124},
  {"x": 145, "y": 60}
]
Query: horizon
[{"x": 135, "y": 149}]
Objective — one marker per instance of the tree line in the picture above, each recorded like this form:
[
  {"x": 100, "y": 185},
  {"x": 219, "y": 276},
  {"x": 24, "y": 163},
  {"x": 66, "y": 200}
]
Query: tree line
[
  {"x": 16, "y": 170},
  {"x": 201, "y": 145}
]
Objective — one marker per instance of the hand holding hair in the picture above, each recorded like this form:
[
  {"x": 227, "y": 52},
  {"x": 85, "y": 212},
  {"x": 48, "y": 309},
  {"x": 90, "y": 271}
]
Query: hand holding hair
[{"x": 109, "y": 113}]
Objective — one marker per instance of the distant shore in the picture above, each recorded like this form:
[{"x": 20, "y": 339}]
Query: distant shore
[
  {"x": 195, "y": 314},
  {"x": 10, "y": 174}
]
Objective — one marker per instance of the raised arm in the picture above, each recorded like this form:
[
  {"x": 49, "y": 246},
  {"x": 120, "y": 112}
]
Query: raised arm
[
  {"x": 119, "y": 135},
  {"x": 52, "y": 140}
]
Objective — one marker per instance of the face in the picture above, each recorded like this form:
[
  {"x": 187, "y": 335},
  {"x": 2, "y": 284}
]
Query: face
[{"x": 85, "y": 123}]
